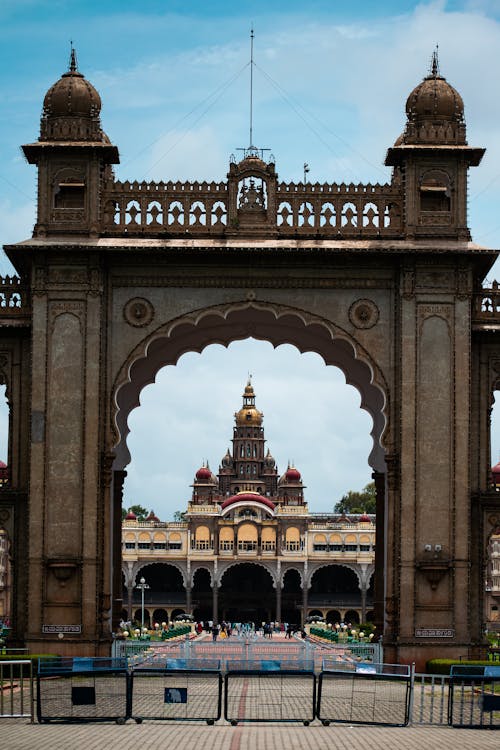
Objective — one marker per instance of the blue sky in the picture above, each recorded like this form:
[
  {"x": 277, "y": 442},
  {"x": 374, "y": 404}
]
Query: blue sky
[{"x": 330, "y": 85}]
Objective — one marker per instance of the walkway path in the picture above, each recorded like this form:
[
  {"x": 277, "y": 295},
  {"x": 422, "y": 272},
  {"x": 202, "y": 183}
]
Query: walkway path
[{"x": 18, "y": 735}]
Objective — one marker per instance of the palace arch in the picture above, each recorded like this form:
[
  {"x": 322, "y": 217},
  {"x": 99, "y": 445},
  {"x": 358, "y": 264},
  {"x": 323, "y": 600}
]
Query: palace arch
[
  {"x": 262, "y": 320},
  {"x": 121, "y": 278}
]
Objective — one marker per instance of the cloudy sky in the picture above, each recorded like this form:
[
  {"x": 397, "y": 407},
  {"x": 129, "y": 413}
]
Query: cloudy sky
[{"x": 331, "y": 79}]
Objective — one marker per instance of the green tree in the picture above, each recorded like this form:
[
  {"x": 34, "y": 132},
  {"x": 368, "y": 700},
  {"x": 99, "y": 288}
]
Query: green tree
[
  {"x": 139, "y": 511},
  {"x": 180, "y": 515},
  {"x": 358, "y": 502}
]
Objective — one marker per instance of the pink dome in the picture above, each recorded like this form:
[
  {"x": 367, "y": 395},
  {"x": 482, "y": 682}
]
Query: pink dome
[
  {"x": 131, "y": 516},
  {"x": 292, "y": 475},
  {"x": 495, "y": 473},
  {"x": 203, "y": 474}
]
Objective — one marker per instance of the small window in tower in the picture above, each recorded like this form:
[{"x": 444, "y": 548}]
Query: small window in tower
[
  {"x": 435, "y": 192},
  {"x": 249, "y": 416},
  {"x": 70, "y": 195}
]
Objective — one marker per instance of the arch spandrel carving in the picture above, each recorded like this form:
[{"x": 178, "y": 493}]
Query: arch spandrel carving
[{"x": 277, "y": 324}]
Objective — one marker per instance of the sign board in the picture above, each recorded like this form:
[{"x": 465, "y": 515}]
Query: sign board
[
  {"x": 47, "y": 629},
  {"x": 434, "y": 633}
]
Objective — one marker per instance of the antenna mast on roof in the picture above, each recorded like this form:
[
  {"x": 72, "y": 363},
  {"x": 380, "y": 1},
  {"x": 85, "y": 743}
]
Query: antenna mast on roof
[
  {"x": 252, "y": 150},
  {"x": 251, "y": 146}
]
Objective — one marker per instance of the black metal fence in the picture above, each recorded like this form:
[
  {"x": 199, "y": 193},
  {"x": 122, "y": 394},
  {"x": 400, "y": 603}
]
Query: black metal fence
[
  {"x": 270, "y": 691},
  {"x": 83, "y": 689},
  {"x": 264, "y": 690},
  {"x": 364, "y": 693},
  {"x": 474, "y": 697},
  {"x": 183, "y": 690}
]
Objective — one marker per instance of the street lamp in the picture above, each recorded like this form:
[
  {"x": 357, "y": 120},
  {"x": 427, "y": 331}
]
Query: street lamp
[{"x": 142, "y": 585}]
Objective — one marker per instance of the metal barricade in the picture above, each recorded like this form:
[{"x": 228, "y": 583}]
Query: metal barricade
[
  {"x": 83, "y": 689},
  {"x": 364, "y": 693},
  {"x": 474, "y": 697},
  {"x": 269, "y": 691},
  {"x": 183, "y": 690},
  {"x": 430, "y": 699},
  {"x": 16, "y": 689}
]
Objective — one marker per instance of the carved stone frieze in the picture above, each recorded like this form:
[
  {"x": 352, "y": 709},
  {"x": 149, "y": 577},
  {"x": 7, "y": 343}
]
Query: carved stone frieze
[
  {"x": 435, "y": 219},
  {"x": 407, "y": 283},
  {"x": 67, "y": 216},
  {"x": 67, "y": 275},
  {"x": 252, "y": 282}
]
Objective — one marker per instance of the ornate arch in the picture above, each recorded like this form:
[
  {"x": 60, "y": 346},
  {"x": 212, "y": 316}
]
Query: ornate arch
[
  {"x": 224, "y": 567},
  {"x": 222, "y": 324},
  {"x": 285, "y": 567},
  {"x": 174, "y": 564},
  {"x": 200, "y": 566},
  {"x": 349, "y": 566}
]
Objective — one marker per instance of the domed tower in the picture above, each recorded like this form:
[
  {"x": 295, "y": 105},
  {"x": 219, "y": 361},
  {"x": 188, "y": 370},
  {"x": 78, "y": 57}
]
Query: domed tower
[
  {"x": 431, "y": 159},
  {"x": 205, "y": 486},
  {"x": 73, "y": 156},
  {"x": 290, "y": 487},
  {"x": 248, "y": 469}
]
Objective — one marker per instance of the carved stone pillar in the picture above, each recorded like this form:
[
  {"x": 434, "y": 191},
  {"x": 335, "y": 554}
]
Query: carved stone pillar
[
  {"x": 379, "y": 577},
  {"x": 118, "y": 480}
]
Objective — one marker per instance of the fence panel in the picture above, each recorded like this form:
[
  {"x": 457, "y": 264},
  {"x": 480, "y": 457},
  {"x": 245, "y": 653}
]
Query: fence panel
[
  {"x": 16, "y": 689},
  {"x": 474, "y": 700},
  {"x": 430, "y": 699},
  {"x": 83, "y": 689},
  {"x": 364, "y": 693},
  {"x": 183, "y": 691},
  {"x": 270, "y": 691}
]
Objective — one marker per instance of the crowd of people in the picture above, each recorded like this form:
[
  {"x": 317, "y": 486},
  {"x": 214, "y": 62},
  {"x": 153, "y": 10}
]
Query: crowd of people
[{"x": 266, "y": 629}]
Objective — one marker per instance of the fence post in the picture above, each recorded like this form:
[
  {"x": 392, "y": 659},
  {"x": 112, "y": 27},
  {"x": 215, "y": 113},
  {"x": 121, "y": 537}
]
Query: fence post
[{"x": 412, "y": 687}]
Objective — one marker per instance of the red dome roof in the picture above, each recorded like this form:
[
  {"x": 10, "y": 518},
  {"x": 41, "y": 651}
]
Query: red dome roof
[
  {"x": 131, "y": 516},
  {"x": 365, "y": 518},
  {"x": 292, "y": 475},
  {"x": 204, "y": 474},
  {"x": 2, "y": 465},
  {"x": 247, "y": 497}
]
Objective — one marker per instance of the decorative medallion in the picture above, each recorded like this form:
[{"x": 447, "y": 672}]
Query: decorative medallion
[
  {"x": 138, "y": 312},
  {"x": 363, "y": 313}
]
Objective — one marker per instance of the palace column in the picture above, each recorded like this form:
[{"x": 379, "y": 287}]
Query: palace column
[
  {"x": 278, "y": 591},
  {"x": 215, "y": 594},
  {"x": 188, "y": 588},
  {"x": 305, "y": 591}
]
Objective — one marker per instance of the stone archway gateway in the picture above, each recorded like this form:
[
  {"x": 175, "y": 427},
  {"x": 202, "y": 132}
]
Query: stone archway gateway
[{"x": 121, "y": 278}]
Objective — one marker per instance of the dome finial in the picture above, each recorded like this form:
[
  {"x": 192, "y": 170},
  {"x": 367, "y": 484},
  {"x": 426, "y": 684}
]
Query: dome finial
[
  {"x": 435, "y": 62},
  {"x": 73, "y": 67}
]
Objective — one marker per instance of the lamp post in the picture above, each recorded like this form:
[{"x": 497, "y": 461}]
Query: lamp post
[{"x": 142, "y": 585}]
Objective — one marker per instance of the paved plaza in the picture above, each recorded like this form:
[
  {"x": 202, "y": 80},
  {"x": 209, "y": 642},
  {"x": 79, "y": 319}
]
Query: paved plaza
[{"x": 20, "y": 735}]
